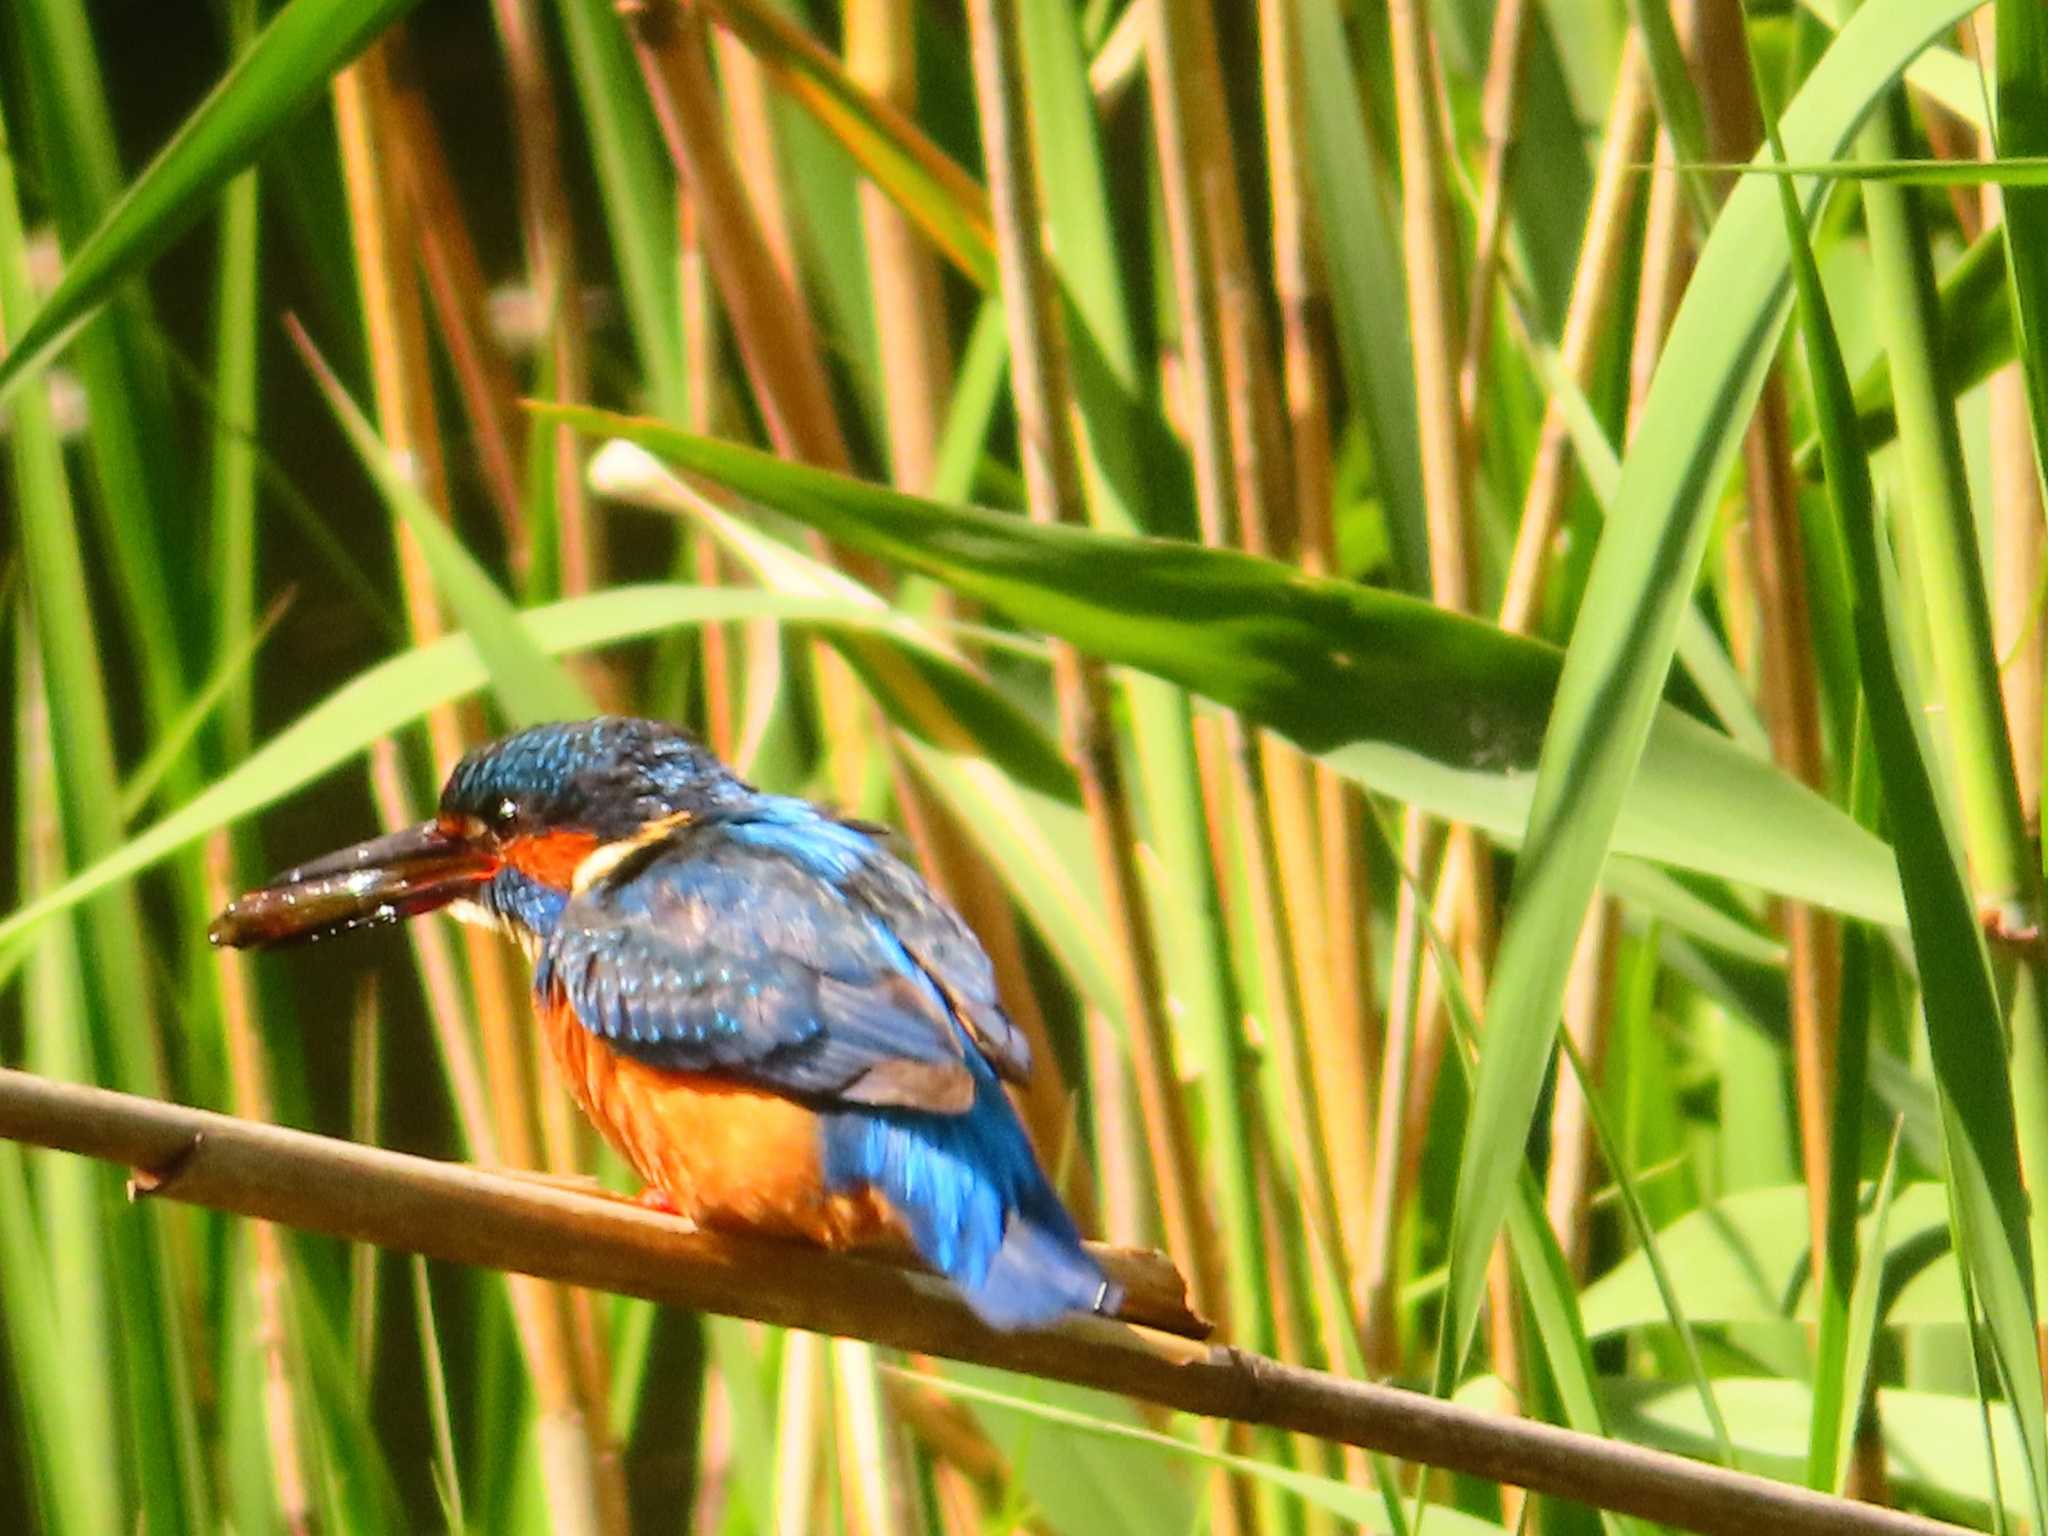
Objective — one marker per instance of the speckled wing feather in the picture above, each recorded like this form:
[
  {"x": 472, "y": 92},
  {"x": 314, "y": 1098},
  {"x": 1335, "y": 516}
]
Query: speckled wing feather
[{"x": 786, "y": 950}]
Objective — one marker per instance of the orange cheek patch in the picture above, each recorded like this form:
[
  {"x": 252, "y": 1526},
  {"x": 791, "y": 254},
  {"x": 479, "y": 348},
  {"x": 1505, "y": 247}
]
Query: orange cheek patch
[{"x": 550, "y": 857}]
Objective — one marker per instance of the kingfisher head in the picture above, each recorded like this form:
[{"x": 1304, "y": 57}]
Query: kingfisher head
[{"x": 517, "y": 820}]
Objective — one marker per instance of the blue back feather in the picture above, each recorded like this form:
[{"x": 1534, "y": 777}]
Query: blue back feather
[{"x": 774, "y": 945}]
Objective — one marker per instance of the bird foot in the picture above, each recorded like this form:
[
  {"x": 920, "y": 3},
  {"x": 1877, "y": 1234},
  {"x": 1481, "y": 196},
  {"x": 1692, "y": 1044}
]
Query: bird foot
[{"x": 652, "y": 1199}]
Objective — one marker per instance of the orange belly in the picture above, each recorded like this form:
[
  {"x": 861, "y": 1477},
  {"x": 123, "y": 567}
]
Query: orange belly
[{"x": 727, "y": 1155}]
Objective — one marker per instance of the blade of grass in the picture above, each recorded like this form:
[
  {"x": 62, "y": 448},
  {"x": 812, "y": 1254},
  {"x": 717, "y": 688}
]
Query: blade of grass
[
  {"x": 69, "y": 1408},
  {"x": 447, "y": 1473},
  {"x": 2021, "y": 132},
  {"x": 1959, "y": 994},
  {"x": 147, "y": 779},
  {"x": 163, "y": 1432},
  {"x": 1391, "y": 690},
  {"x": 1638, "y": 590},
  {"x": 1367, "y": 281},
  {"x": 528, "y": 683},
  {"x": 272, "y": 80},
  {"x": 138, "y": 473},
  {"x": 1865, "y": 1313},
  {"x": 1840, "y": 1391}
]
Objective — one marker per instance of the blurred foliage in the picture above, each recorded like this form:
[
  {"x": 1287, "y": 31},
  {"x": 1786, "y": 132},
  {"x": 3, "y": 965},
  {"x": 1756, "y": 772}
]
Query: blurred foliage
[{"x": 1417, "y": 431}]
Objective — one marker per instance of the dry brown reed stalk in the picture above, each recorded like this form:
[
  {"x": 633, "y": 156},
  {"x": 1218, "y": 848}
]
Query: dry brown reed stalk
[
  {"x": 762, "y": 299},
  {"x": 1500, "y": 110},
  {"x": 910, "y": 313},
  {"x": 572, "y": 1444},
  {"x": 455, "y": 282},
  {"x": 1624, "y": 140},
  {"x": 699, "y": 305},
  {"x": 1430, "y": 257},
  {"x": 1336, "y": 966},
  {"x": 1192, "y": 167},
  {"x": 469, "y": 1216},
  {"x": 1664, "y": 265},
  {"x": 1392, "y": 1133},
  {"x": 1271, "y": 781},
  {"x": 547, "y": 228},
  {"x": 751, "y": 129},
  {"x": 2016, "y": 515},
  {"x": 2016, "y": 577},
  {"x": 1588, "y": 1011},
  {"x": 771, "y": 323},
  {"x": 1789, "y": 685},
  {"x": 1053, "y": 488}
]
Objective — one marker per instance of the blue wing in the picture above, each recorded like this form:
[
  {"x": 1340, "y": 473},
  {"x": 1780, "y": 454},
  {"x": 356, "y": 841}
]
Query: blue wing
[{"x": 785, "y": 949}]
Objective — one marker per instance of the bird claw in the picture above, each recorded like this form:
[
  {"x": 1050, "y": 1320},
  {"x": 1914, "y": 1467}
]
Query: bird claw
[{"x": 653, "y": 1199}]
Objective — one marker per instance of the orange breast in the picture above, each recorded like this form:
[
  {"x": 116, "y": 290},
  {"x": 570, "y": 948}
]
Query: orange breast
[{"x": 727, "y": 1155}]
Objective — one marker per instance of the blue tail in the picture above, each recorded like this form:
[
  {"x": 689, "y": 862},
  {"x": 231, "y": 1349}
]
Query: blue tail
[{"x": 977, "y": 1206}]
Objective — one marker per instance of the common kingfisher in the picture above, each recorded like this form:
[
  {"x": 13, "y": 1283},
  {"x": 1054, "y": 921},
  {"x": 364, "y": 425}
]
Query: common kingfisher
[{"x": 775, "y": 1020}]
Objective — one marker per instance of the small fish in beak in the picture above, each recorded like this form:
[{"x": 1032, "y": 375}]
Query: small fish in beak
[{"x": 368, "y": 885}]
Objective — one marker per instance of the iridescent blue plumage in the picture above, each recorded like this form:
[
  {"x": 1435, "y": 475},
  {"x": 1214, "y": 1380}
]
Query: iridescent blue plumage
[{"x": 764, "y": 942}]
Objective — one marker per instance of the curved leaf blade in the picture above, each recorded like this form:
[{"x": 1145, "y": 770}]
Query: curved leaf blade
[
  {"x": 305, "y": 43},
  {"x": 1427, "y": 706},
  {"x": 1721, "y": 345}
]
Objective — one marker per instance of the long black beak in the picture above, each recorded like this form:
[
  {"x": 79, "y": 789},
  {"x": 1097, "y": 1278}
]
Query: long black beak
[{"x": 381, "y": 881}]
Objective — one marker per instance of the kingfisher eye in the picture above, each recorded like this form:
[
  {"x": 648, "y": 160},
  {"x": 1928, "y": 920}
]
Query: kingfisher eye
[{"x": 508, "y": 812}]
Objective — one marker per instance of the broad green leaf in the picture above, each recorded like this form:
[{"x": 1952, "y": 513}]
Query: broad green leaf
[
  {"x": 1934, "y": 1444},
  {"x": 1747, "y": 1258},
  {"x": 1418, "y": 703},
  {"x": 304, "y": 44},
  {"x": 1025, "y": 817},
  {"x": 1945, "y": 75},
  {"x": 1601, "y": 734}
]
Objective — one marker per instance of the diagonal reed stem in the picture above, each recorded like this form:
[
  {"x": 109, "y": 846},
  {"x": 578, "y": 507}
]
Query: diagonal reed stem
[{"x": 468, "y": 1216}]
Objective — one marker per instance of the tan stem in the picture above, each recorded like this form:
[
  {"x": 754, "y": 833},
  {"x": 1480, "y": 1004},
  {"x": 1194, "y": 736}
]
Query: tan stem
[
  {"x": 1053, "y": 487},
  {"x": 467, "y": 1216},
  {"x": 570, "y": 1443},
  {"x": 1588, "y": 1010}
]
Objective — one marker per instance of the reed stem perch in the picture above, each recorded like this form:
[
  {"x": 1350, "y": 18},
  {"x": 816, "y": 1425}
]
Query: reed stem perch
[{"x": 470, "y": 1216}]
